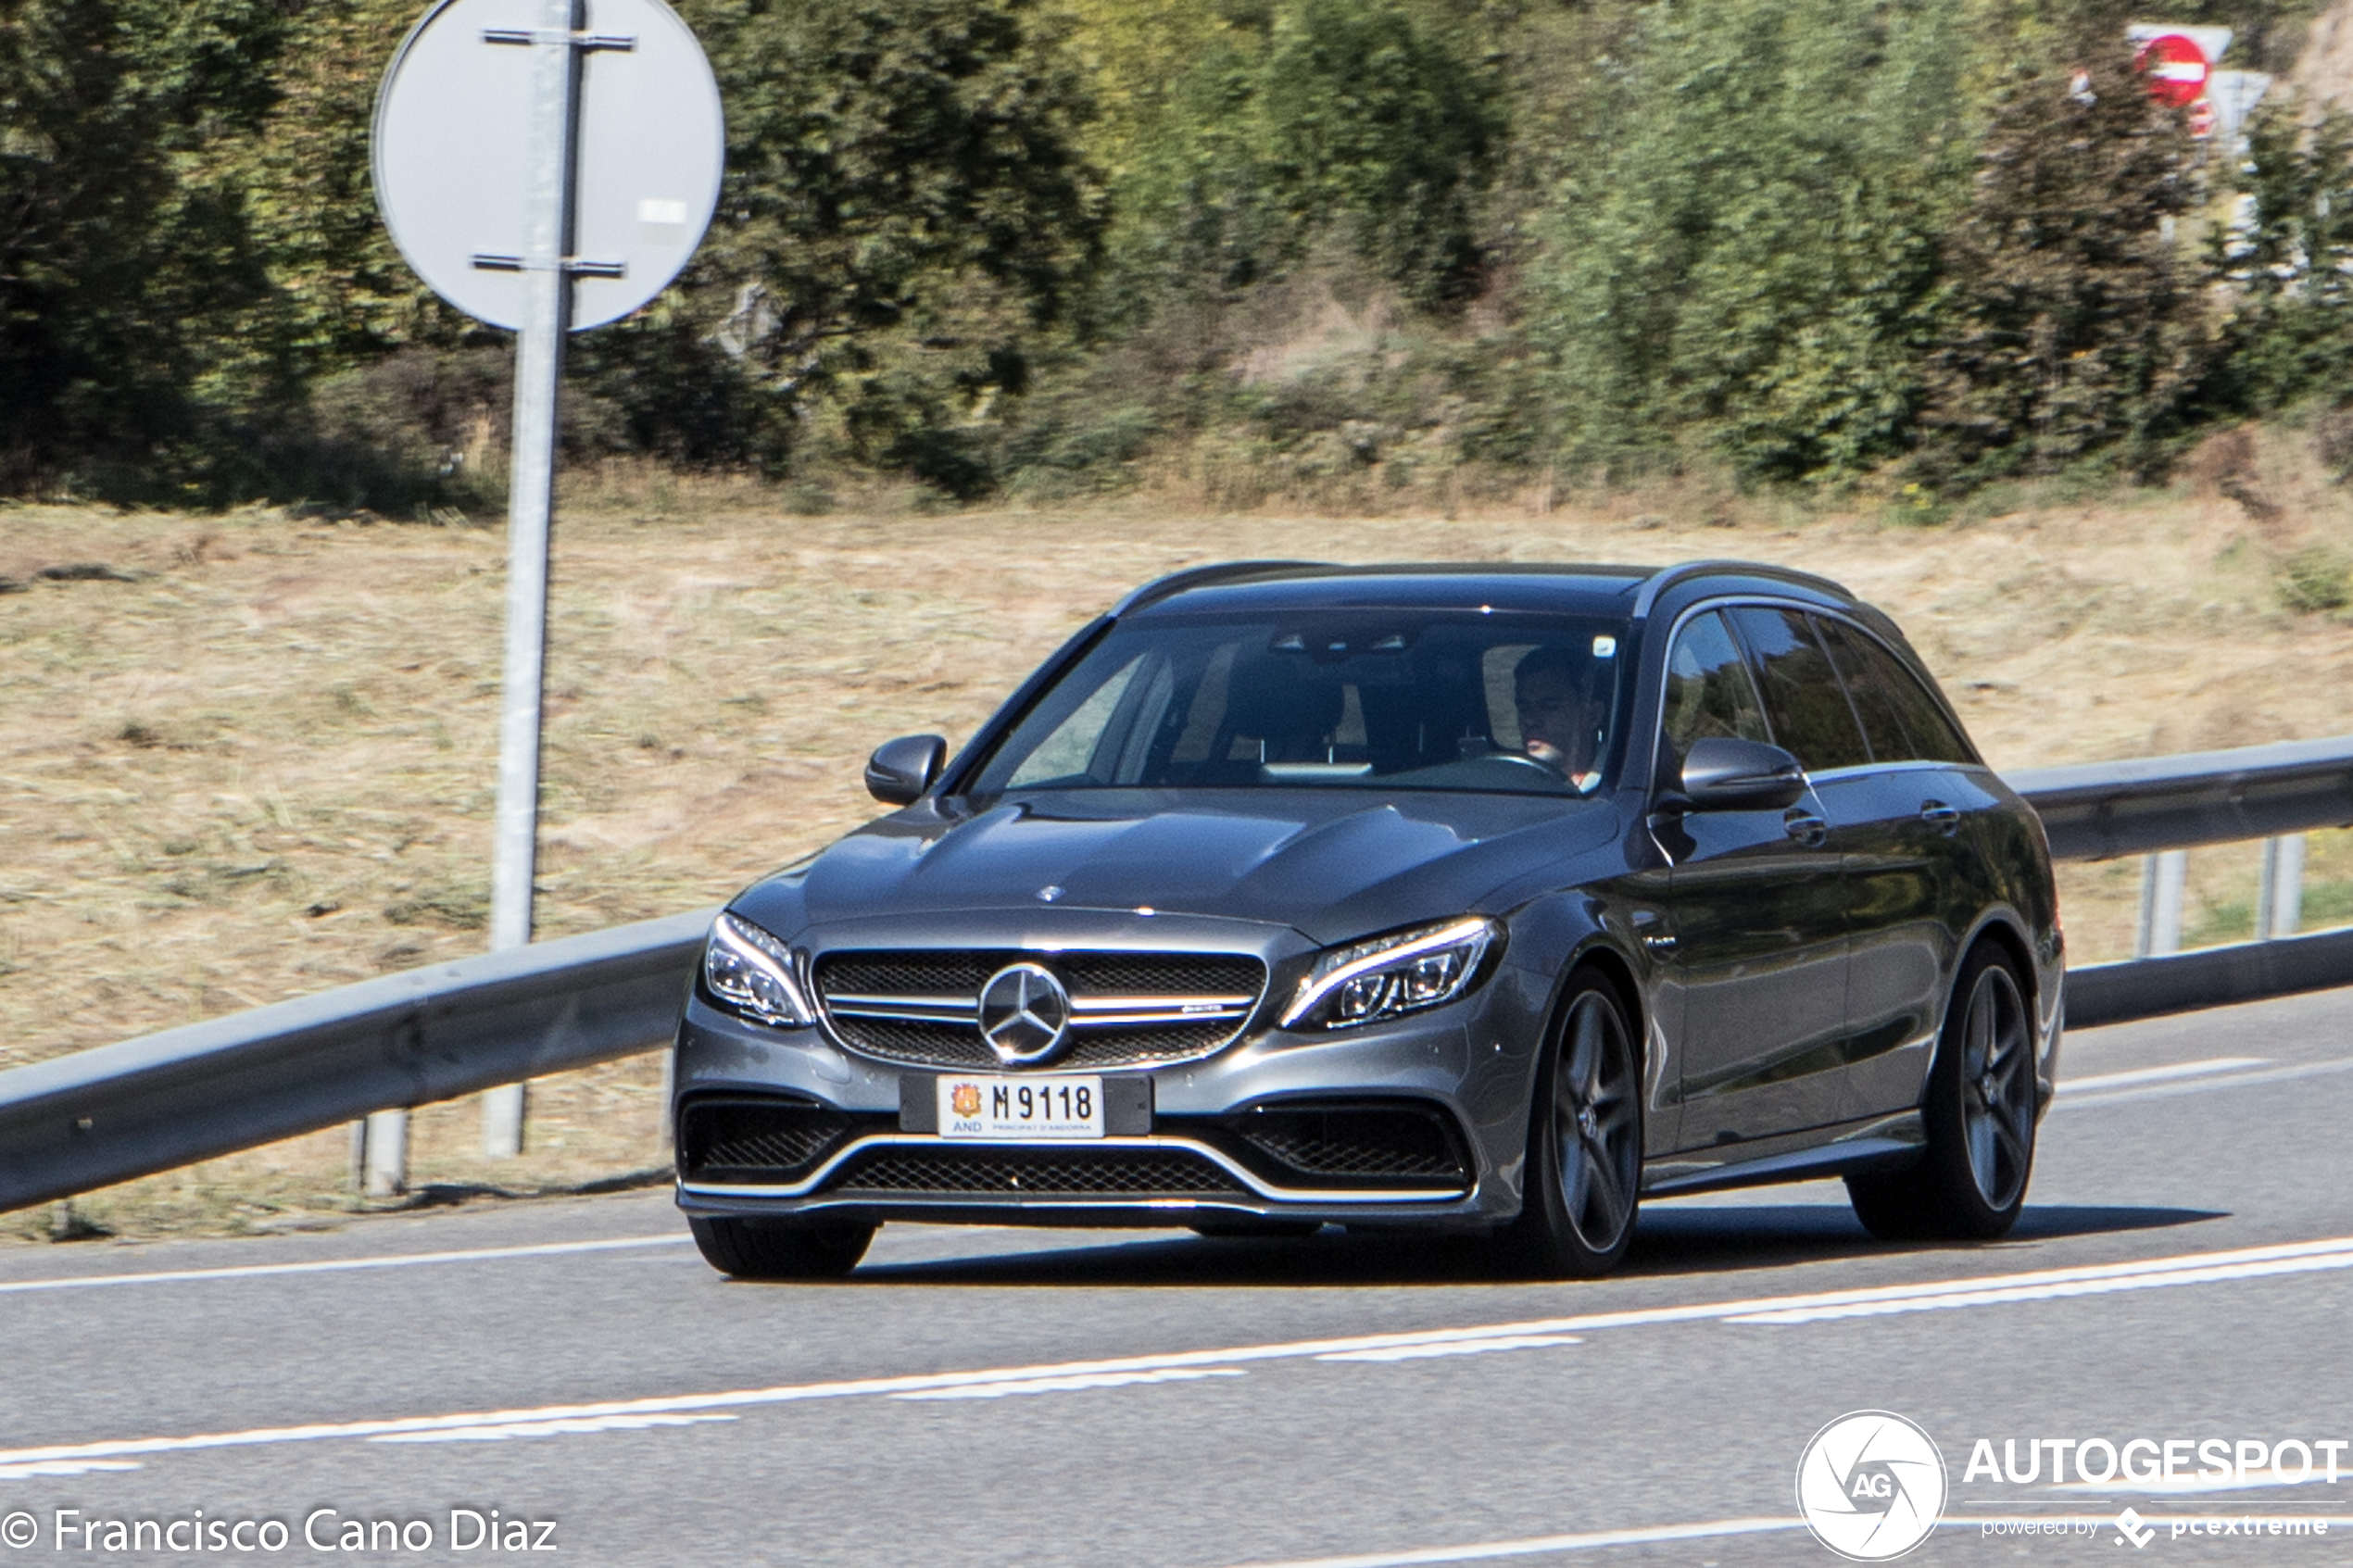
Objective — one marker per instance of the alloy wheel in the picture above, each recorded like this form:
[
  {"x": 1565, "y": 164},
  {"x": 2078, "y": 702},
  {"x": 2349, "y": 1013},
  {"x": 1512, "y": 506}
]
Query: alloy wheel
[
  {"x": 1595, "y": 1123},
  {"x": 1997, "y": 1088}
]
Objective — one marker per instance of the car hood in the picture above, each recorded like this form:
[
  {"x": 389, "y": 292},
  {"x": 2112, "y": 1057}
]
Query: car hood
[{"x": 1328, "y": 862}]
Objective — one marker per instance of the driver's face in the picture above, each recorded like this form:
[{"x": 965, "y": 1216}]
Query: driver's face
[{"x": 1552, "y": 716}]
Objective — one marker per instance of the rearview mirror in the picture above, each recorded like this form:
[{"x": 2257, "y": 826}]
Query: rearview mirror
[
  {"x": 900, "y": 771},
  {"x": 1725, "y": 775}
]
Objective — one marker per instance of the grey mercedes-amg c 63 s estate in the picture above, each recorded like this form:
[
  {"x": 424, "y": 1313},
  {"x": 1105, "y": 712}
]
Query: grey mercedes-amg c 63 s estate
[{"x": 1484, "y": 899}]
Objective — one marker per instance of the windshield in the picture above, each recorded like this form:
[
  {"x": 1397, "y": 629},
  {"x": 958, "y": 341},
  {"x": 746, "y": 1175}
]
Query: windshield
[{"x": 1391, "y": 699}]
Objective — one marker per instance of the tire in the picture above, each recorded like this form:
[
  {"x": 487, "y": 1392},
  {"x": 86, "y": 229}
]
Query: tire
[
  {"x": 748, "y": 1249},
  {"x": 1584, "y": 1142},
  {"x": 1979, "y": 1112}
]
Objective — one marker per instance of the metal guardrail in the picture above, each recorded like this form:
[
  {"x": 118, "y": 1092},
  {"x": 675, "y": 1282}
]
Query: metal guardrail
[
  {"x": 2101, "y": 810},
  {"x": 107, "y": 1115}
]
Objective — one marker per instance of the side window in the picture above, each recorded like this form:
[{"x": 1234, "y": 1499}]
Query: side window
[
  {"x": 1935, "y": 737},
  {"x": 1708, "y": 690},
  {"x": 1801, "y": 694},
  {"x": 1867, "y": 685}
]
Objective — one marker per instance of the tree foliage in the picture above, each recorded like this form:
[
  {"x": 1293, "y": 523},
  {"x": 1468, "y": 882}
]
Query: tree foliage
[
  {"x": 1749, "y": 248},
  {"x": 2075, "y": 322},
  {"x": 992, "y": 241}
]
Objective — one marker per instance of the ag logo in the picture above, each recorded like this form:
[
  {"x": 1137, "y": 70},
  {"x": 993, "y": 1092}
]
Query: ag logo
[
  {"x": 965, "y": 1099},
  {"x": 1872, "y": 1485}
]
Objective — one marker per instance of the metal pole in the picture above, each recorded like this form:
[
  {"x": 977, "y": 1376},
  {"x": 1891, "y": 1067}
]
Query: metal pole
[
  {"x": 2286, "y": 903},
  {"x": 2163, "y": 877},
  {"x": 2265, "y": 889},
  {"x": 530, "y": 506},
  {"x": 387, "y": 1163}
]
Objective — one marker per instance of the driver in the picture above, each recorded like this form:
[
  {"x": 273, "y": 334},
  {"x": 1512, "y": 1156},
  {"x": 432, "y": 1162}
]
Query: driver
[{"x": 1558, "y": 726}]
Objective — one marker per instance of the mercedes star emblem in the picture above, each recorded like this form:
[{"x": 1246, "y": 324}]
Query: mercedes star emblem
[{"x": 1025, "y": 1012}]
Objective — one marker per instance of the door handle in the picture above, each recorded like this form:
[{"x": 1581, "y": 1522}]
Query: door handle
[
  {"x": 1805, "y": 828},
  {"x": 1944, "y": 819}
]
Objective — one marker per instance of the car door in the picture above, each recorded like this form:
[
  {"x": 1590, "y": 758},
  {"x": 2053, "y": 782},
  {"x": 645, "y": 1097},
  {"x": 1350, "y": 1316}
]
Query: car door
[
  {"x": 1912, "y": 873},
  {"x": 1753, "y": 947}
]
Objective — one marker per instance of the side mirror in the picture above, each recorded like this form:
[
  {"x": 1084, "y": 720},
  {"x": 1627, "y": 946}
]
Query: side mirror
[
  {"x": 1725, "y": 775},
  {"x": 900, "y": 771}
]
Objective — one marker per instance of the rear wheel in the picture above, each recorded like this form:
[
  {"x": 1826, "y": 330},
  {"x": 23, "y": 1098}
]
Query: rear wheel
[
  {"x": 753, "y": 1249},
  {"x": 1585, "y": 1141},
  {"x": 1979, "y": 1115}
]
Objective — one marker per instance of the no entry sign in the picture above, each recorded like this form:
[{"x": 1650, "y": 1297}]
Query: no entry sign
[{"x": 2176, "y": 67}]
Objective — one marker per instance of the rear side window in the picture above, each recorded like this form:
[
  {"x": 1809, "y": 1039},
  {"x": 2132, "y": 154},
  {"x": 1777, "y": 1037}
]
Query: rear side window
[
  {"x": 1803, "y": 697},
  {"x": 1891, "y": 698},
  {"x": 1708, "y": 689},
  {"x": 1867, "y": 688}
]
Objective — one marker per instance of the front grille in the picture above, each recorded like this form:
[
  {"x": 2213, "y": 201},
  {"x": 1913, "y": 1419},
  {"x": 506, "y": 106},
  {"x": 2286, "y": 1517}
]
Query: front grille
[
  {"x": 757, "y": 1142},
  {"x": 1365, "y": 1145},
  {"x": 922, "y": 1008},
  {"x": 1030, "y": 1173}
]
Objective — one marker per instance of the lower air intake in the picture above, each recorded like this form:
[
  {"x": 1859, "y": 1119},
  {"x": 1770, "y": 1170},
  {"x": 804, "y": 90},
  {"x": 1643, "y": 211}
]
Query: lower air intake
[
  {"x": 757, "y": 1142},
  {"x": 1354, "y": 1146},
  {"x": 1031, "y": 1174}
]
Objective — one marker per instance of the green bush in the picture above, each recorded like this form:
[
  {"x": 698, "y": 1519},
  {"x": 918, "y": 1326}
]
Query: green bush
[
  {"x": 1747, "y": 250},
  {"x": 2314, "y": 580}
]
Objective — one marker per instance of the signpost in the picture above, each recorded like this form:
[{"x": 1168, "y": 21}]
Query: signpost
[{"x": 546, "y": 166}]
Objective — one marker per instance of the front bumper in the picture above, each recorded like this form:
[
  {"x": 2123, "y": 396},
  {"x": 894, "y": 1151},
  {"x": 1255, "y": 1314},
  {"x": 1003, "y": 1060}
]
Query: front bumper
[{"x": 1469, "y": 1064}]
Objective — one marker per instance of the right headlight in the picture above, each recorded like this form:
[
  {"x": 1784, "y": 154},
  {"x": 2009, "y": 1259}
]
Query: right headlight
[
  {"x": 749, "y": 972},
  {"x": 1387, "y": 977}
]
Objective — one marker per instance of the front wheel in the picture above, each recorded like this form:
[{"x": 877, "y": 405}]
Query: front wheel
[
  {"x": 754, "y": 1249},
  {"x": 1585, "y": 1141},
  {"x": 1979, "y": 1115}
]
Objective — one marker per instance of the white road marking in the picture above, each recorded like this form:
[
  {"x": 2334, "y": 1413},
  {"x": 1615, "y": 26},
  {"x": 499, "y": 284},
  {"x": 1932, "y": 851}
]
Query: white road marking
[
  {"x": 65, "y": 1467},
  {"x": 547, "y": 1428},
  {"x": 1540, "y": 1546},
  {"x": 1071, "y": 1385},
  {"x": 337, "y": 1265},
  {"x": 2145, "y": 1273},
  {"x": 2086, "y": 1525},
  {"x": 1459, "y": 1348},
  {"x": 2087, "y": 1283},
  {"x": 2202, "y": 1085},
  {"x": 2159, "y": 1075}
]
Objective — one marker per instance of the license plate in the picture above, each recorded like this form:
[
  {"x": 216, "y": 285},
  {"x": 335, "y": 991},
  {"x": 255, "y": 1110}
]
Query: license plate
[{"x": 985, "y": 1105}]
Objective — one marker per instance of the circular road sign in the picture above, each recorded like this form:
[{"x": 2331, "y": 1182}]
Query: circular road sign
[
  {"x": 2176, "y": 67},
  {"x": 453, "y": 150}
]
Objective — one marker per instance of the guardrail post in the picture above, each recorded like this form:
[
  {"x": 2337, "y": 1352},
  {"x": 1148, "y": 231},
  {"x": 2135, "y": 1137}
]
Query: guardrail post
[
  {"x": 669, "y": 1086},
  {"x": 386, "y": 1165},
  {"x": 2163, "y": 877},
  {"x": 2279, "y": 897}
]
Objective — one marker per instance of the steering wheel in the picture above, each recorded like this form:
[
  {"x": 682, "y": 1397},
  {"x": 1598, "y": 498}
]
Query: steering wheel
[{"x": 1525, "y": 761}]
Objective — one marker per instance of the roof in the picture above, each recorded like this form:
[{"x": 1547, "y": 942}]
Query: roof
[{"x": 1626, "y": 590}]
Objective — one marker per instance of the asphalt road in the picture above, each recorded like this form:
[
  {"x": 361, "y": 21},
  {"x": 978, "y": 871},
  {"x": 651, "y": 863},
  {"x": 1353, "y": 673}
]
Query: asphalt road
[{"x": 1001, "y": 1396}]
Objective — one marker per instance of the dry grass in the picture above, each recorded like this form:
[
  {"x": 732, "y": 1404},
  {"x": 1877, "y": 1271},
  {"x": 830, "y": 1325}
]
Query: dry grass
[{"x": 264, "y": 766}]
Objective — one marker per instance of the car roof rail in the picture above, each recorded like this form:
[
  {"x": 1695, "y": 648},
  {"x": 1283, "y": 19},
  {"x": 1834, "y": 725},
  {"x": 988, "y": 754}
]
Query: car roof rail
[
  {"x": 1667, "y": 577},
  {"x": 1175, "y": 583}
]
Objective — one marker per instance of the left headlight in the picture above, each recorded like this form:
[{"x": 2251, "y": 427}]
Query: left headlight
[
  {"x": 1406, "y": 971},
  {"x": 751, "y": 971}
]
